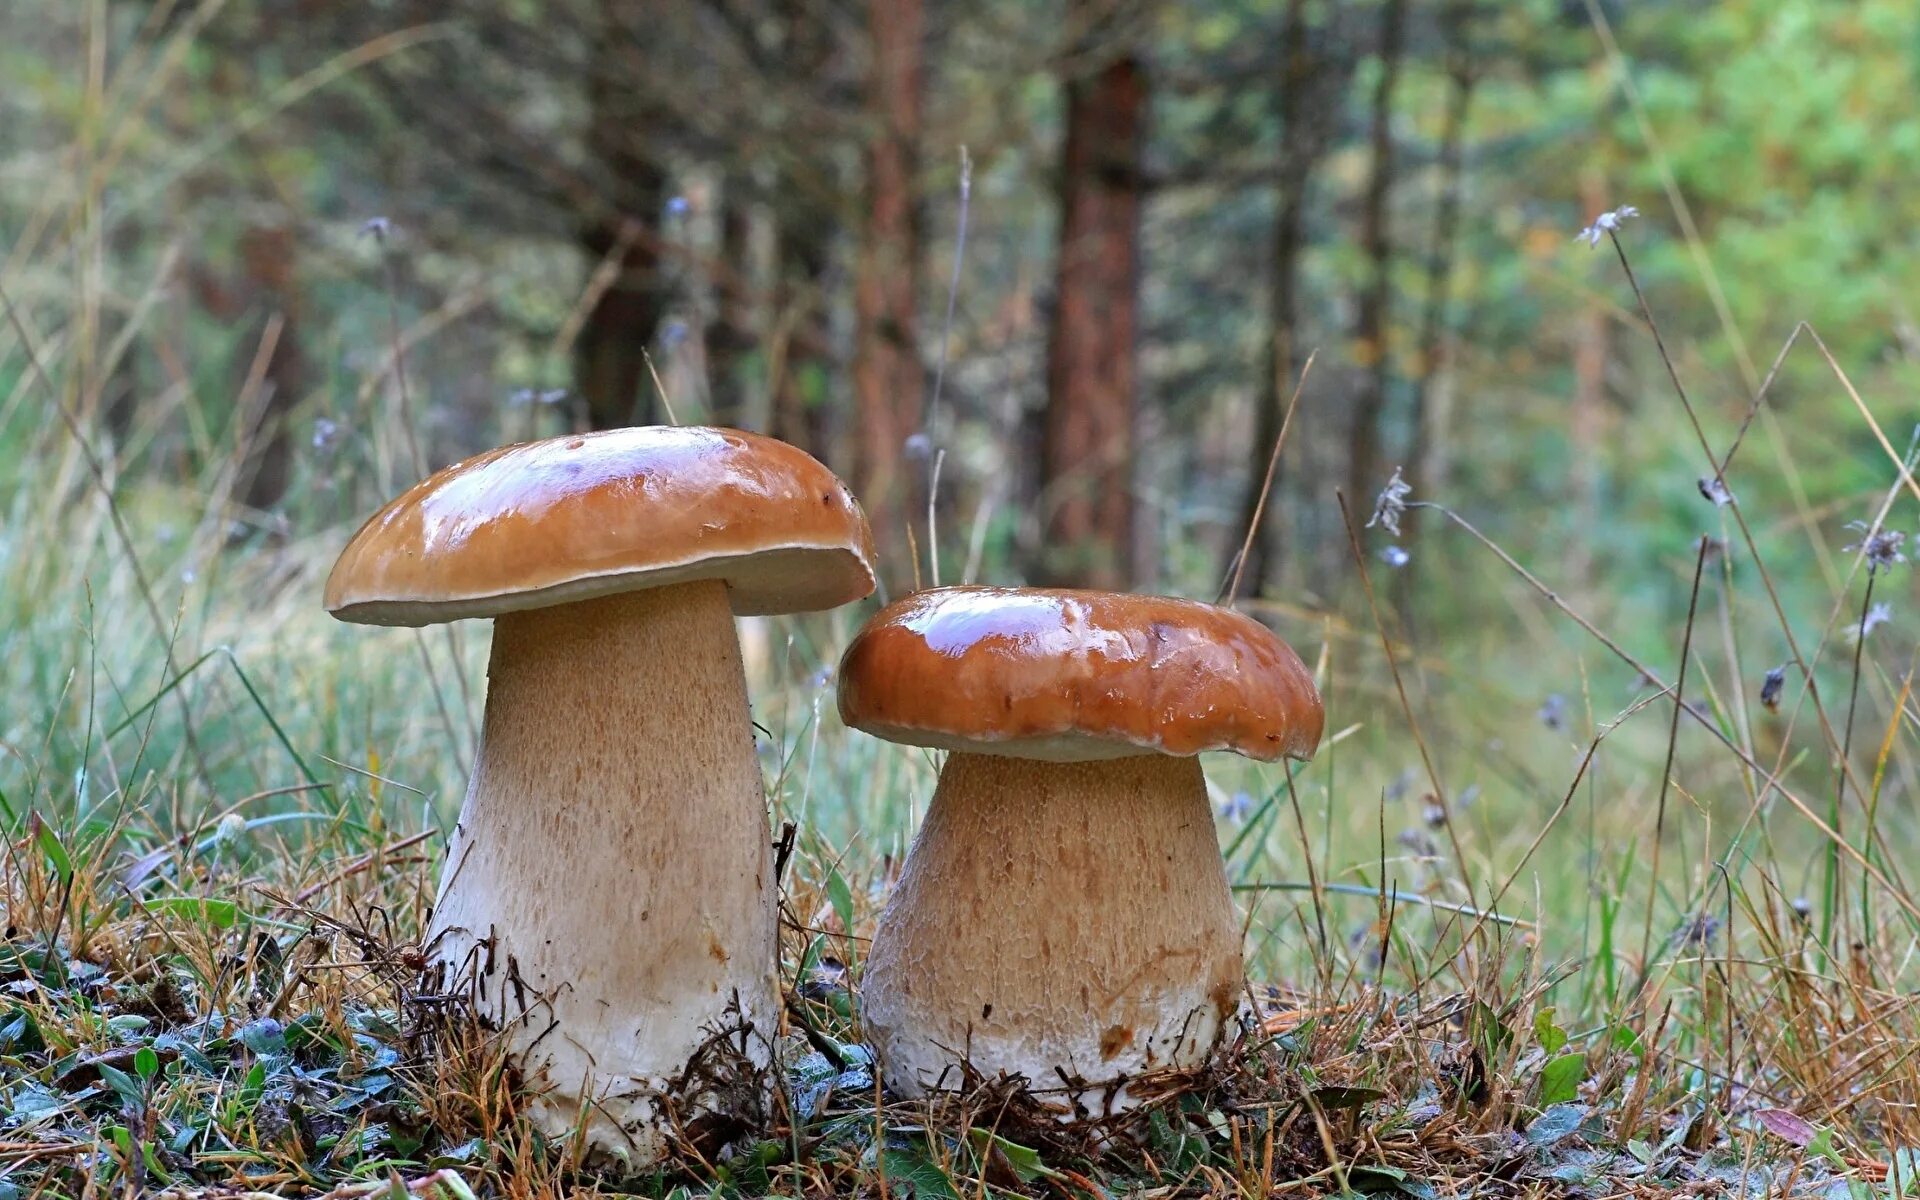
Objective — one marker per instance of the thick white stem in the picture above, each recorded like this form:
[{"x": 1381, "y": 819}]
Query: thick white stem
[
  {"x": 608, "y": 896},
  {"x": 1056, "y": 919}
]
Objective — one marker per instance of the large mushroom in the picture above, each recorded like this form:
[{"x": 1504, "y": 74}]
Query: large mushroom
[
  {"x": 1064, "y": 914},
  {"x": 608, "y": 897}
]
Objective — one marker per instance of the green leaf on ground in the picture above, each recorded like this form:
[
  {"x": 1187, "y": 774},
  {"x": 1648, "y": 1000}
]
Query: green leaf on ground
[
  {"x": 220, "y": 914},
  {"x": 1560, "y": 1079},
  {"x": 911, "y": 1168}
]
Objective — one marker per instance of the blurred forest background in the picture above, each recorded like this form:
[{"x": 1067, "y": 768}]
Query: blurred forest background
[{"x": 1170, "y": 206}]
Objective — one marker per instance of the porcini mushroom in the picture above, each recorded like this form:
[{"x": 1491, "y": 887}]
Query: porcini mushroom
[
  {"x": 1064, "y": 914},
  {"x": 608, "y": 897}
]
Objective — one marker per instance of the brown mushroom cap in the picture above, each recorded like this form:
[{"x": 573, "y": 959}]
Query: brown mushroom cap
[
  {"x": 1073, "y": 675},
  {"x": 570, "y": 518}
]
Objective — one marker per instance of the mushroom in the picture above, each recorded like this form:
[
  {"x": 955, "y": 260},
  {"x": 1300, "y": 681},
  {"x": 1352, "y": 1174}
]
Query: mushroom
[
  {"x": 1064, "y": 915},
  {"x": 608, "y": 897}
]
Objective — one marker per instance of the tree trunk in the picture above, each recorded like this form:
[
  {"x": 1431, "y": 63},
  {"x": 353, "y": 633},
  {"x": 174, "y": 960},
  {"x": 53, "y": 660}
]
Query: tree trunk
[
  {"x": 266, "y": 258},
  {"x": 798, "y": 368},
  {"x": 1435, "y": 337},
  {"x": 808, "y": 211},
  {"x": 1313, "y": 80},
  {"x": 1088, "y": 447},
  {"x": 887, "y": 376},
  {"x": 1370, "y": 320},
  {"x": 262, "y": 294},
  {"x": 730, "y": 339},
  {"x": 610, "y": 370}
]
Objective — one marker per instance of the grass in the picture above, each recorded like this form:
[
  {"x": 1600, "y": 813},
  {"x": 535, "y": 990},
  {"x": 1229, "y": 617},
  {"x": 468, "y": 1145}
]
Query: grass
[{"x": 1566, "y": 903}]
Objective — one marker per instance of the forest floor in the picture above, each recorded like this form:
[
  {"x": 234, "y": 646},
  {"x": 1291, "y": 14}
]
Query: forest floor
[{"x": 172, "y": 1021}]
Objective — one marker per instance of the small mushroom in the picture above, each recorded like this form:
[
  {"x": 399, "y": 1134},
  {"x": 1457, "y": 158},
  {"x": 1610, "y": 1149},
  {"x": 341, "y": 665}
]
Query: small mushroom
[
  {"x": 608, "y": 897},
  {"x": 1064, "y": 914}
]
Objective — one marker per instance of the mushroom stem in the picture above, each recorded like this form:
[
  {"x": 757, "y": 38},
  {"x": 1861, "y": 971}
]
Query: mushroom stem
[
  {"x": 1056, "y": 918},
  {"x": 608, "y": 896}
]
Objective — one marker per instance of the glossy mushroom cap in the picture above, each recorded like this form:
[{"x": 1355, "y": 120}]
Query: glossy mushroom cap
[
  {"x": 1070, "y": 675},
  {"x": 570, "y": 518}
]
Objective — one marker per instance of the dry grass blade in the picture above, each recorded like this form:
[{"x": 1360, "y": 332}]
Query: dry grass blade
[{"x": 1232, "y": 588}]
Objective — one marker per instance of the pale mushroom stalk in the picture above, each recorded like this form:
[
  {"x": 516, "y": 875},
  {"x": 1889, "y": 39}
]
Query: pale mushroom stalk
[
  {"x": 640, "y": 699},
  {"x": 1039, "y": 869}
]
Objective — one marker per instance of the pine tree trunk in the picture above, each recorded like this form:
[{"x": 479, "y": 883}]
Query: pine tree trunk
[
  {"x": 1311, "y": 81},
  {"x": 730, "y": 340},
  {"x": 1088, "y": 447},
  {"x": 610, "y": 371},
  {"x": 1435, "y": 336},
  {"x": 1369, "y": 352},
  {"x": 798, "y": 368},
  {"x": 267, "y": 256},
  {"x": 887, "y": 375}
]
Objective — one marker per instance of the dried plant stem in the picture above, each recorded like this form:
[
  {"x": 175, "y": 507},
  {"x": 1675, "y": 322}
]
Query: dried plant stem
[
  {"x": 660, "y": 389},
  {"x": 1673, "y": 740},
  {"x": 1394, "y": 895},
  {"x": 1440, "y": 796},
  {"x": 1232, "y": 588},
  {"x": 1324, "y": 959},
  {"x": 1831, "y": 886},
  {"x": 418, "y": 459}
]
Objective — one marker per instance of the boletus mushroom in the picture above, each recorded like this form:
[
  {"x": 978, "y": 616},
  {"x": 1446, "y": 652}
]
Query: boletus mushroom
[
  {"x": 608, "y": 898},
  {"x": 1064, "y": 915}
]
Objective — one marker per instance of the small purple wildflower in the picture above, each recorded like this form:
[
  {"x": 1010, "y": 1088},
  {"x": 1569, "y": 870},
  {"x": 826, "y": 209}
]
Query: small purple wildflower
[
  {"x": 1419, "y": 843},
  {"x": 1772, "y": 686},
  {"x": 1698, "y": 932},
  {"x": 1876, "y": 616},
  {"x": 1553, "y": 714},
  {"x": 1604, "y": 224},
  {"x": 1714, "y": 488},
  {"x": 1880, "y": 547},
  {"x": 1391, "y": 505},
  {"x": 1395, "y": 556}
]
